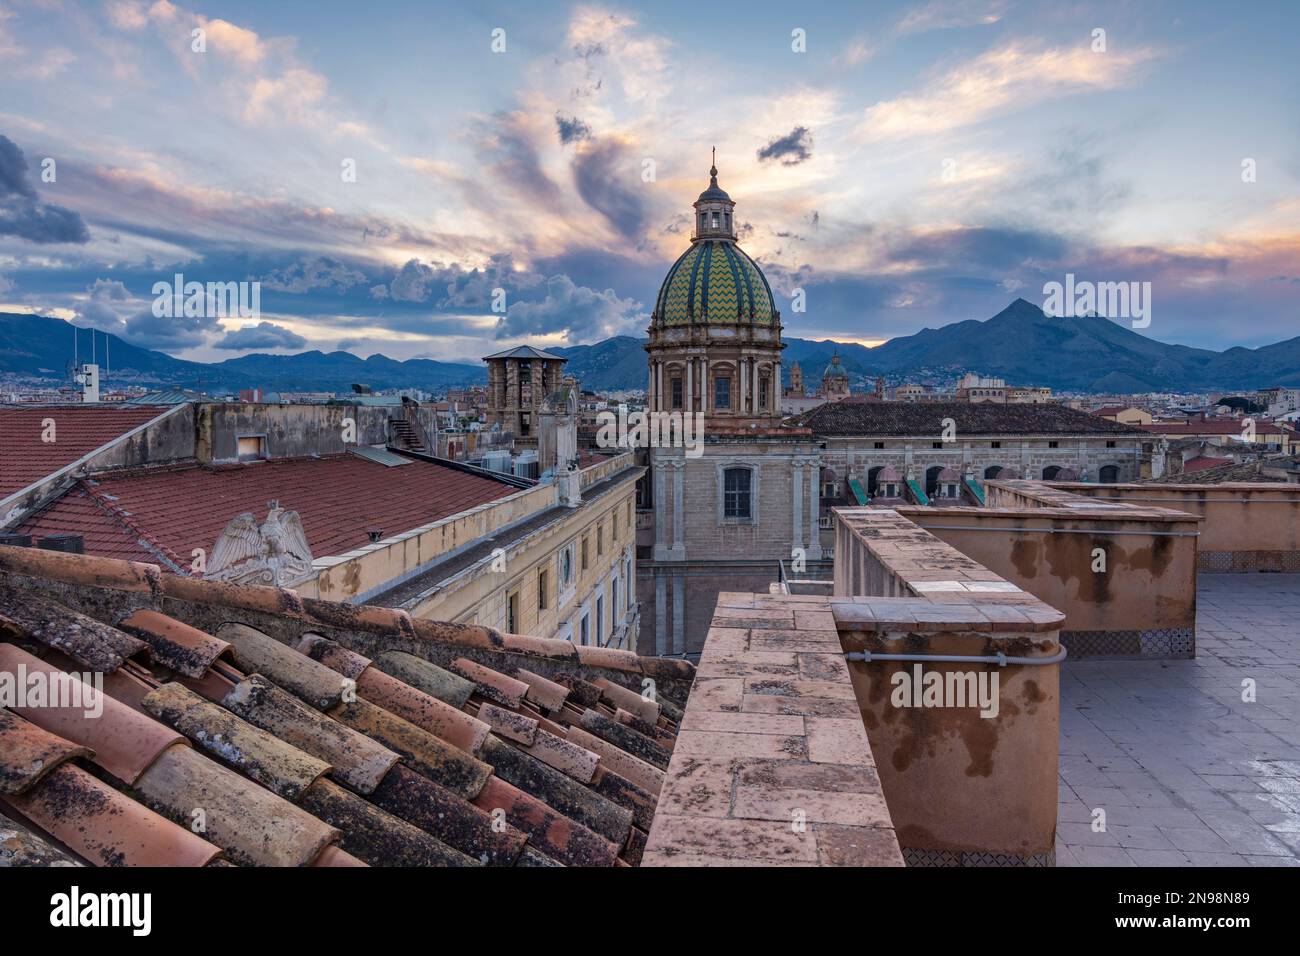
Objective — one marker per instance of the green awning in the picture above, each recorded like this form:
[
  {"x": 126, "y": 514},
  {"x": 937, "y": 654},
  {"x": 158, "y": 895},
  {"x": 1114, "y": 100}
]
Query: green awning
[
  {"x": 918, "y": 492},
  {"x": 856, "y": 487}
]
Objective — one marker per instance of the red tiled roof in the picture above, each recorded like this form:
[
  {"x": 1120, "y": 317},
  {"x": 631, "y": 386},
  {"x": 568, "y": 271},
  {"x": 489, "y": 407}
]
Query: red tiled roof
[
  {"x": 1202, "y": 462},
  {"x": 1230, "y": 426},
  {"x": 177, "y": 509},
  {"x": 421, "y": 766},
  {"x": 78, "y": 430}
]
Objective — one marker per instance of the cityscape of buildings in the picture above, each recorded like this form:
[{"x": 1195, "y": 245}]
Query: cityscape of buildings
[
  {"x": 568, "y": 436},
  {"x": 503, "y": 581}
]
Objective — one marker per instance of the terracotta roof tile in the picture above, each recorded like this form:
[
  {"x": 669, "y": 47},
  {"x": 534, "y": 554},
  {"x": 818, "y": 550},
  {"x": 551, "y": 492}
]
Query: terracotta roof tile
[
  {"x": 184, "y": 649},
  {"x": 28, "y": 753},
  {"x": 280, "y": 767},
  {"x": 376, "y": 836},
  {"x": 256, "y": 653},
  {"x": 26, "y": 456},
  {"x": 354, "y": 758},
  {"x": 122, "y": 741},
  {"x": 429, "y": 677},
  {"x": 274, "y": 718},
  {"x": 95, "y": 646},
  {"x": 171, "y": 511},
  {"x": 438, "y": 760},
  {"x": 253, "y": 825},
  {"x": 105, "y": 826},
  {"x": 492, "y": 685},
  {"x": 545, "y": 693}
]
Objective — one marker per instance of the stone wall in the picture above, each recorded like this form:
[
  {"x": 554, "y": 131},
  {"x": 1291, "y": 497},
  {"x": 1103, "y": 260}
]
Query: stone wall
[
  {"x": 1245, "y": 526},
  {"x": 963, "y": 787},
  {"x": 1124, "y": 577}
]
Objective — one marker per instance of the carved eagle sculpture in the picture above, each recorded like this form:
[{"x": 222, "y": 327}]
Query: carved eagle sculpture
[{"x": 275, "y": 553}]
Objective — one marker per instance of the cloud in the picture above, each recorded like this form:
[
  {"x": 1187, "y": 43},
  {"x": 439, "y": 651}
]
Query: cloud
[
  {"x": 857, "y": 51},
  {"x": 580, "y": 313},
  {"x": 106, "y": 308},
  {"x": 609, "y": 182},
  {"x": 6, "y": 285},
  {"x": 463, "y": 289},
  {"x": 571, "y": 129},
  {"x": 791, "y": 149},
  {"x": 13, "y": 171},
  {"x": 314, "y": 272},
  {"x": 22, "y": 214},
  {"x": 1018, "y": 74},
  {"x": 945, "y": 14},
  {"x": 170, "y": 334},
  {"x": 507, "y": 141},
  {"x": 263, "y": 335}
]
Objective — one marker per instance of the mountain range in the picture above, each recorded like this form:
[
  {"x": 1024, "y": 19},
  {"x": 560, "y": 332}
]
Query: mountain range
[{"x": 1020, "y": 344}]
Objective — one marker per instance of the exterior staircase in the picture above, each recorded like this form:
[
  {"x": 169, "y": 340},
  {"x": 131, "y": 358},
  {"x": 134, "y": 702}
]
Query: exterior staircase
[{"x": 406, "y": 435}]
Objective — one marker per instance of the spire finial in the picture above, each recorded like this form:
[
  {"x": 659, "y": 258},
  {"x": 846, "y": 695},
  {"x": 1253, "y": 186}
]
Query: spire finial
[{"x": 713, "y": 169}]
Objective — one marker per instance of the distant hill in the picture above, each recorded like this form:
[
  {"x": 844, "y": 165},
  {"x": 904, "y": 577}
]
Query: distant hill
[
  {"x": 40, "y": 346},
  {"x": 1019, "y": 344}
]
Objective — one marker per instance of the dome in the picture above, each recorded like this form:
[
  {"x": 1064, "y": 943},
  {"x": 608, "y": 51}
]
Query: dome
[
  {"x": 714, "y": 281},
  {"x": 835, "y": 369}
]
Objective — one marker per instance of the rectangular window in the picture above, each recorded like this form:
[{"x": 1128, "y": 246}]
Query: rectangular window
[
  {"x": 584, "y": 631},
  {"x": 995, "y": 444},
  {"x": 677, "y": 393},
  {"x": 1053, "y": 444},
  {"x": 512, "y": 612},
  {"x": 722, "y": 393},
  {"x": 762, "y": 392},
  {"x": 250, "y": 447},
  {"x": 613, "y": 525},
  {"x": 600, "y": 619},
  {"x": 600, "y": 540},
  {"x": 584, "y": 554},
  {"x": 1110, "y": 444},
  {"x": 880, "y": 444},
  {"x": 735, "y": 494},
  {"x": 543, "y": 589},
  {"x": 630, "y": 526},
  {"x": 613, "y": 599}
]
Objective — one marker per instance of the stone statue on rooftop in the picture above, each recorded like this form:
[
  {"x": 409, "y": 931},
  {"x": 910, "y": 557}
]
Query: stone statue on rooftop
[{"x": 274, "y": 553}]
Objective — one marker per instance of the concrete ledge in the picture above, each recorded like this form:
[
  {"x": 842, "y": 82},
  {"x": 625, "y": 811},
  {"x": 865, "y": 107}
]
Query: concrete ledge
[{"x": 772, "y": 765}]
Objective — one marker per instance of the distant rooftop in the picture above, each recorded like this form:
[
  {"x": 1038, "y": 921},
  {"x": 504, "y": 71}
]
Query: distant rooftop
[
  {"x": 161, "y": 515},
  {"x": 901, "y": 419},
  {"x": 526, "y": 352},
  {"x": 38, "y": 440}
]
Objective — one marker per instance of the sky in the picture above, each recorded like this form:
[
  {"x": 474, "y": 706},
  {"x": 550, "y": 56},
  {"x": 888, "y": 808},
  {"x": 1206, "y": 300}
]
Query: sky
[{"x": 383, "y": 169}]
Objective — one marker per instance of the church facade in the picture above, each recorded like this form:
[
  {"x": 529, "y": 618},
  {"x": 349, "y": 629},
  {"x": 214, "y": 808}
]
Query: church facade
[{"x": 756, "y": 492}]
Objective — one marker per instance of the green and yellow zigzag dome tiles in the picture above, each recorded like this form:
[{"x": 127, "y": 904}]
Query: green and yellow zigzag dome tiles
[{"x": 714, "y": 281}]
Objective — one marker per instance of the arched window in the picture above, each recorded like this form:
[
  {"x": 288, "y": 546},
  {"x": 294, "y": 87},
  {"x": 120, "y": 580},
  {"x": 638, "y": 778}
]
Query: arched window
[
  {"x": 1109, "y": 474},
  {"x": 1050, "y": 472},
  {"x": 735, "y": 493}
]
